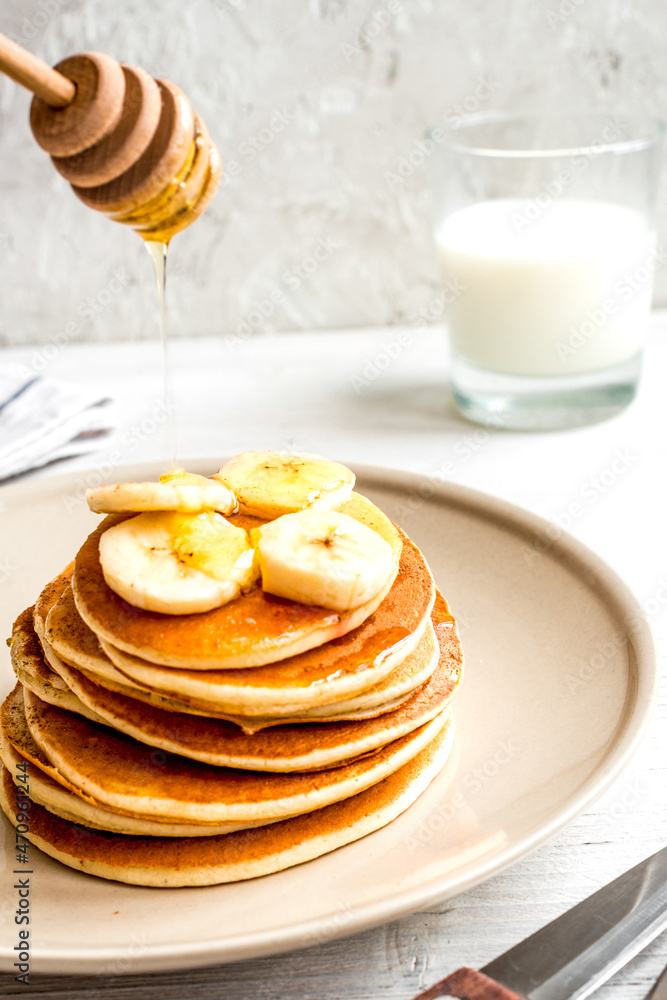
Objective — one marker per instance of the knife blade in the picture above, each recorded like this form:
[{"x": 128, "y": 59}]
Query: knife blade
[{"x": 574, "y": 954}]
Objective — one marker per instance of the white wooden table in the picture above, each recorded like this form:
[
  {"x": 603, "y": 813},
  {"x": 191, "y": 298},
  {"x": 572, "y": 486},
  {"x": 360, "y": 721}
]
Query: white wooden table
[{"x": 377, "y": 398}]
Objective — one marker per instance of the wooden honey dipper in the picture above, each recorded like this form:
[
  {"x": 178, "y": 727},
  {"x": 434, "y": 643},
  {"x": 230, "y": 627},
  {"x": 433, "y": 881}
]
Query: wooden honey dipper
[{"x": 130, "y": 146}]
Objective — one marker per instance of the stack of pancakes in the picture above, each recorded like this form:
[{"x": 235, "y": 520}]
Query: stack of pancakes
[{"x": 204, "y": 748}]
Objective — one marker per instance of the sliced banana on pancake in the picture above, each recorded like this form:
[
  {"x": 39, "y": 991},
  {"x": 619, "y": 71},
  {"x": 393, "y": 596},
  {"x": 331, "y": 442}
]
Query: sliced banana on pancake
[
  {"x": 177, "y": 564},
  {"x": 268, "y": 484},
  {"x": 323, "y": 557},
  {"x": 177, "y": 490}
]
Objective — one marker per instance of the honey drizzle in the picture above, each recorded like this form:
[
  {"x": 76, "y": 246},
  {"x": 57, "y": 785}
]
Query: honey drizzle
[
  {"x": 156, "y": 221},
  {"x": 158, "y": 253}
]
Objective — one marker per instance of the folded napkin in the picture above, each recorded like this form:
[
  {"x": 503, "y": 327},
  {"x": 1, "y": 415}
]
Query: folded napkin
[{"x": 42, "y": 420}]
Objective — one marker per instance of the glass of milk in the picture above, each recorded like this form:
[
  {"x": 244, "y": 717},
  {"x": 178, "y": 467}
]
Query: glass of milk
[{"x": 545, "y": 232}]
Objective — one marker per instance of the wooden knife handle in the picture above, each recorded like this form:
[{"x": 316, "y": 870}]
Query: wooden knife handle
[{"x": 467, "y": 984}]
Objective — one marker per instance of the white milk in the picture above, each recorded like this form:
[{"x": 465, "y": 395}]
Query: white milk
[{"x": 565, "y": 292}]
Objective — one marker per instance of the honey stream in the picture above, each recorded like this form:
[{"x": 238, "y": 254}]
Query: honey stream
[
  {"x": 158, "y": 254},
  {"x": 181, "y": 201},
  {"x": 156, "y": 221}
]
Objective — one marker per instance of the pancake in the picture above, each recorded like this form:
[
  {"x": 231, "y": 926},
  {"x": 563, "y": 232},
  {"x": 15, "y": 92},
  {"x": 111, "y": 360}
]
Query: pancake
[
  {"x": 114, "y": 770},
  {"x": 330, "y": 673},
  {"x": 71, "y": 703},
  {"x": 112, "y": 679},
  {"x": 204, "y": 688},
  {"x": 177, "y": 690},
  {"x": 39, "y": 669},
  {"x": 300, "y": 747},
  {"x": 243, "y": 692},
  {"x": 171, "y": 862},
  {"x": 389, "y": 693},
  {"x": 399, "y": 685},
  {"x": 14, "y": 731},
  {"x": 292, "y": 747},
  {"x": 368, "y": 706},
  {"x": 17, "y": 743},
  {"x": 34, "y": 673},
  {"x": 52, "y": 796},
  {"x": 48, "y": 597},
  {"x": 26, "y": 650},
  {"x": 67, "y": 700},
  {"x": 66, "y": 635},
  {"x": 72, "y": 634},
  {"x": 254, "y": 629}
]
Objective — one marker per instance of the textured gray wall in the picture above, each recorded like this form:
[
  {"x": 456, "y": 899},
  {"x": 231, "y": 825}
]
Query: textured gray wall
[{"x": 317, "y": 107}]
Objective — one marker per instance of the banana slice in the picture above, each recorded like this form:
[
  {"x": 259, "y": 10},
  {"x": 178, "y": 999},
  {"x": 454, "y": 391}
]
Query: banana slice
[
  {"x": 324, "y": 558},
  {"x": 177, "y": 564},
  {"x": 269, "y": 484},
  {"x": 177, "y": 490}
]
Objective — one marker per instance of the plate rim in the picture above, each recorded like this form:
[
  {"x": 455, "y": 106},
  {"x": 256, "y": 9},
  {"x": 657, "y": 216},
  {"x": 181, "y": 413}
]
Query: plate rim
[{"x": 519, "y": 520}]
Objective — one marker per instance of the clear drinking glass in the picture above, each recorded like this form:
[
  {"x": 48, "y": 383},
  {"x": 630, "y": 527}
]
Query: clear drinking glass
[{"x": 545, "y": 231}]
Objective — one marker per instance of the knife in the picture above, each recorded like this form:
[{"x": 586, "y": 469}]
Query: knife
[{"x": 574, "y": 954}]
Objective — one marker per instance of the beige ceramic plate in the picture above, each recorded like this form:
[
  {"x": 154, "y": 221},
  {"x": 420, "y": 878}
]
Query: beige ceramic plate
[{"x": 559, "y": 686}]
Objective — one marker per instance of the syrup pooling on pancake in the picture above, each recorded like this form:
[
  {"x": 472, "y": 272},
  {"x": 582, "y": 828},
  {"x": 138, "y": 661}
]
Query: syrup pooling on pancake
[
  {"x": 233, "y": 691},
  {"x": 152, "y": 732},
  {"x": 354, "y": 662},
  {"x": 250, "y": 631}
]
